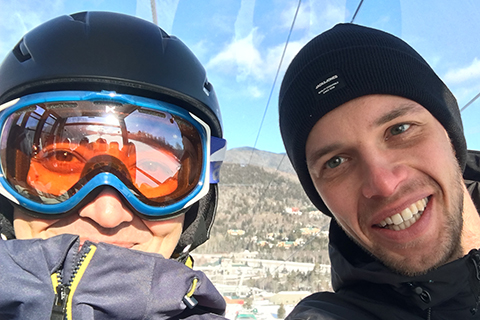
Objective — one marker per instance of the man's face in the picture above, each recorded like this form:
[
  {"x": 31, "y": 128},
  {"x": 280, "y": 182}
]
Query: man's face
[
  {"x": 106, "y": 219},
  {"x": 385, "y": 168}
]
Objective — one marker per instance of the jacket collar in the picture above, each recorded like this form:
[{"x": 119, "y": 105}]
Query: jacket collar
[{"x": 352, "y": 266}]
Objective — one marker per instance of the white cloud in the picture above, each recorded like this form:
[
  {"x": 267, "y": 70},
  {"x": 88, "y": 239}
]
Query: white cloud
[
  {"x": 468, "y": 73},
  {"x": 330, "y": 14},
  {"x": 240, "y": 57},
  {"x": 314, "y": 16},
  {"x": 303, "y": 16},
  {"x": 255, "y": 91},
  {"x": 244, "y": 21},
  {"x": 275, "y": 53},
  {"x": 243, "y": 59},
  {"x": 200, "y": 49}
]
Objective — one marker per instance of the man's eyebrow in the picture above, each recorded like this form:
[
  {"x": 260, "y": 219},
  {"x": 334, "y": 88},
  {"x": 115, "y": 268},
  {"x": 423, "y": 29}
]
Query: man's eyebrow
[
  {"x": 406, "y": 108},
  {"x": 313, "y": 158}
]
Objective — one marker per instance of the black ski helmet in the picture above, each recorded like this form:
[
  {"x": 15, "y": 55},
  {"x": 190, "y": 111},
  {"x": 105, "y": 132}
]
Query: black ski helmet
[{"x": 94, "y": 51}]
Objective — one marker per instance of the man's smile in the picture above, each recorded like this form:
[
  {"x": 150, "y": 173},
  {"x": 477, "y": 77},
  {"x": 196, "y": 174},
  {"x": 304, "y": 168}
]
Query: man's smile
[{"x": 406, "y": 218}]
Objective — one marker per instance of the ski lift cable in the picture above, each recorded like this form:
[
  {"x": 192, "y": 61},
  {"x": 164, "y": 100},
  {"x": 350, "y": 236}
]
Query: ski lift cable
[
  {"x": 275, "y": 80},
  {"x": 470, "y": 102},
  {"x": 356, "y": 11}
]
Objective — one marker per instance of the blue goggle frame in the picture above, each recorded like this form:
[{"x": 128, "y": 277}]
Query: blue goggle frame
[{"x": 213, "y": 155}]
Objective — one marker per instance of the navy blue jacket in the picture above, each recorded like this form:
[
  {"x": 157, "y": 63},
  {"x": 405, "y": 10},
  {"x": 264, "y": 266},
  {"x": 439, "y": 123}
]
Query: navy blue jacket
[{"x": 48, "y": 279}]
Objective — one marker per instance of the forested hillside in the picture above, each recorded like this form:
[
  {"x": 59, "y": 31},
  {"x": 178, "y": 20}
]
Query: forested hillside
[{"x": 257, "y": 200}]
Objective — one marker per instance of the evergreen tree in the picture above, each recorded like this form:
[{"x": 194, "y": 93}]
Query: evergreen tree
[{"x": 281, "y": 312}]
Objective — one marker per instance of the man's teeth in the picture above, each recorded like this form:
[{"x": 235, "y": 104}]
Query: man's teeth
[{"x": 406, "y": 218}]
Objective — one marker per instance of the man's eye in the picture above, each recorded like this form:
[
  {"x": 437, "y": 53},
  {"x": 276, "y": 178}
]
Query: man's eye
[
  {"x": 59, "y": 156},
  {"x": 395, "y": 130},
  {"x": 61, "y": 161},
  {"x": 64, "y": 156},
  {"x": 334, "y": 162}
]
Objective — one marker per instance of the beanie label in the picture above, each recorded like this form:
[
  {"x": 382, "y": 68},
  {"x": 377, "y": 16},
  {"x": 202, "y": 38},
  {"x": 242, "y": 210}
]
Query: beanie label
[{"x": 328, "y": 83}]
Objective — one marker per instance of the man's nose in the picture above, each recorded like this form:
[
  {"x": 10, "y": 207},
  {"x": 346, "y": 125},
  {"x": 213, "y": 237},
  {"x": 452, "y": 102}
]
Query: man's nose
[
  {"x": 107, "y": 210},
  {"x": 381, "y": 175}
]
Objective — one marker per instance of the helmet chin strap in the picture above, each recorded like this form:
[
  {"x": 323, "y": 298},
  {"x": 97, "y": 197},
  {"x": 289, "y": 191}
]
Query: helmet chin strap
[
  {"x": 6, "y": 228},
  {"x": 198, "y": 222},
  {"x": 6, "y": 220}
]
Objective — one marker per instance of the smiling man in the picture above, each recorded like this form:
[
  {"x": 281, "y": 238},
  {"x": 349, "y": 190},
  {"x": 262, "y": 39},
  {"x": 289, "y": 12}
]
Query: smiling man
[
  {"x": 109, "y": 157},
  {"x": 377, "y": 141}
]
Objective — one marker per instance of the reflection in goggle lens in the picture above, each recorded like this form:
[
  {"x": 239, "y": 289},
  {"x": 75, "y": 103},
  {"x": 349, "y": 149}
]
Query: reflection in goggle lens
[{"x": 58, "y": 147}]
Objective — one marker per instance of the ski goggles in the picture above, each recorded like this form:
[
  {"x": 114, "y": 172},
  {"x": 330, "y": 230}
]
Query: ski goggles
[{"x": 57, "y": 147}]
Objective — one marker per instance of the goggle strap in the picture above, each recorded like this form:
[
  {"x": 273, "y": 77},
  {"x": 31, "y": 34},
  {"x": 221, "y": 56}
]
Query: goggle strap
[{"x": 218, "y": 149}]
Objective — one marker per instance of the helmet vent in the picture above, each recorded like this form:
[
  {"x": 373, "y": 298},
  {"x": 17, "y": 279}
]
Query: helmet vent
[
  {"x": 21, "y": 52},
  {"x": 81, "y": 16},
  {"x": 207, "y": 88}
]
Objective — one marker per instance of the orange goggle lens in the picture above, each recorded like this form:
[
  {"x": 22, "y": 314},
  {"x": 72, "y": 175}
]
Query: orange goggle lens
[{"x": 51, "y": 150}]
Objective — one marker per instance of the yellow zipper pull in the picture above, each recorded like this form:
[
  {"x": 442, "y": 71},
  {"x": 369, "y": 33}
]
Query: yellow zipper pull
[{"x": 189, "y": 299}]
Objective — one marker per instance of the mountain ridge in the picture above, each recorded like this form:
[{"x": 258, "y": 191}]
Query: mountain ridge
[{"x": 260, "y": 158}]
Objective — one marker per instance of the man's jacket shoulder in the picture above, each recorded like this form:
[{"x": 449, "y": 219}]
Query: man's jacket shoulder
[{"x": 327, "y": 306}]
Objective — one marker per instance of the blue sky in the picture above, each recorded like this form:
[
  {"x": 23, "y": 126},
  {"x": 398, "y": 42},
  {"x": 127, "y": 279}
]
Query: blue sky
[{"x": 240, "y": 43}]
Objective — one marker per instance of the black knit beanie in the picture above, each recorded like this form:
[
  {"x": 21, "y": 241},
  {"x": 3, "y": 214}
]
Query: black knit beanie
[{"x": 347, "y": 62}]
